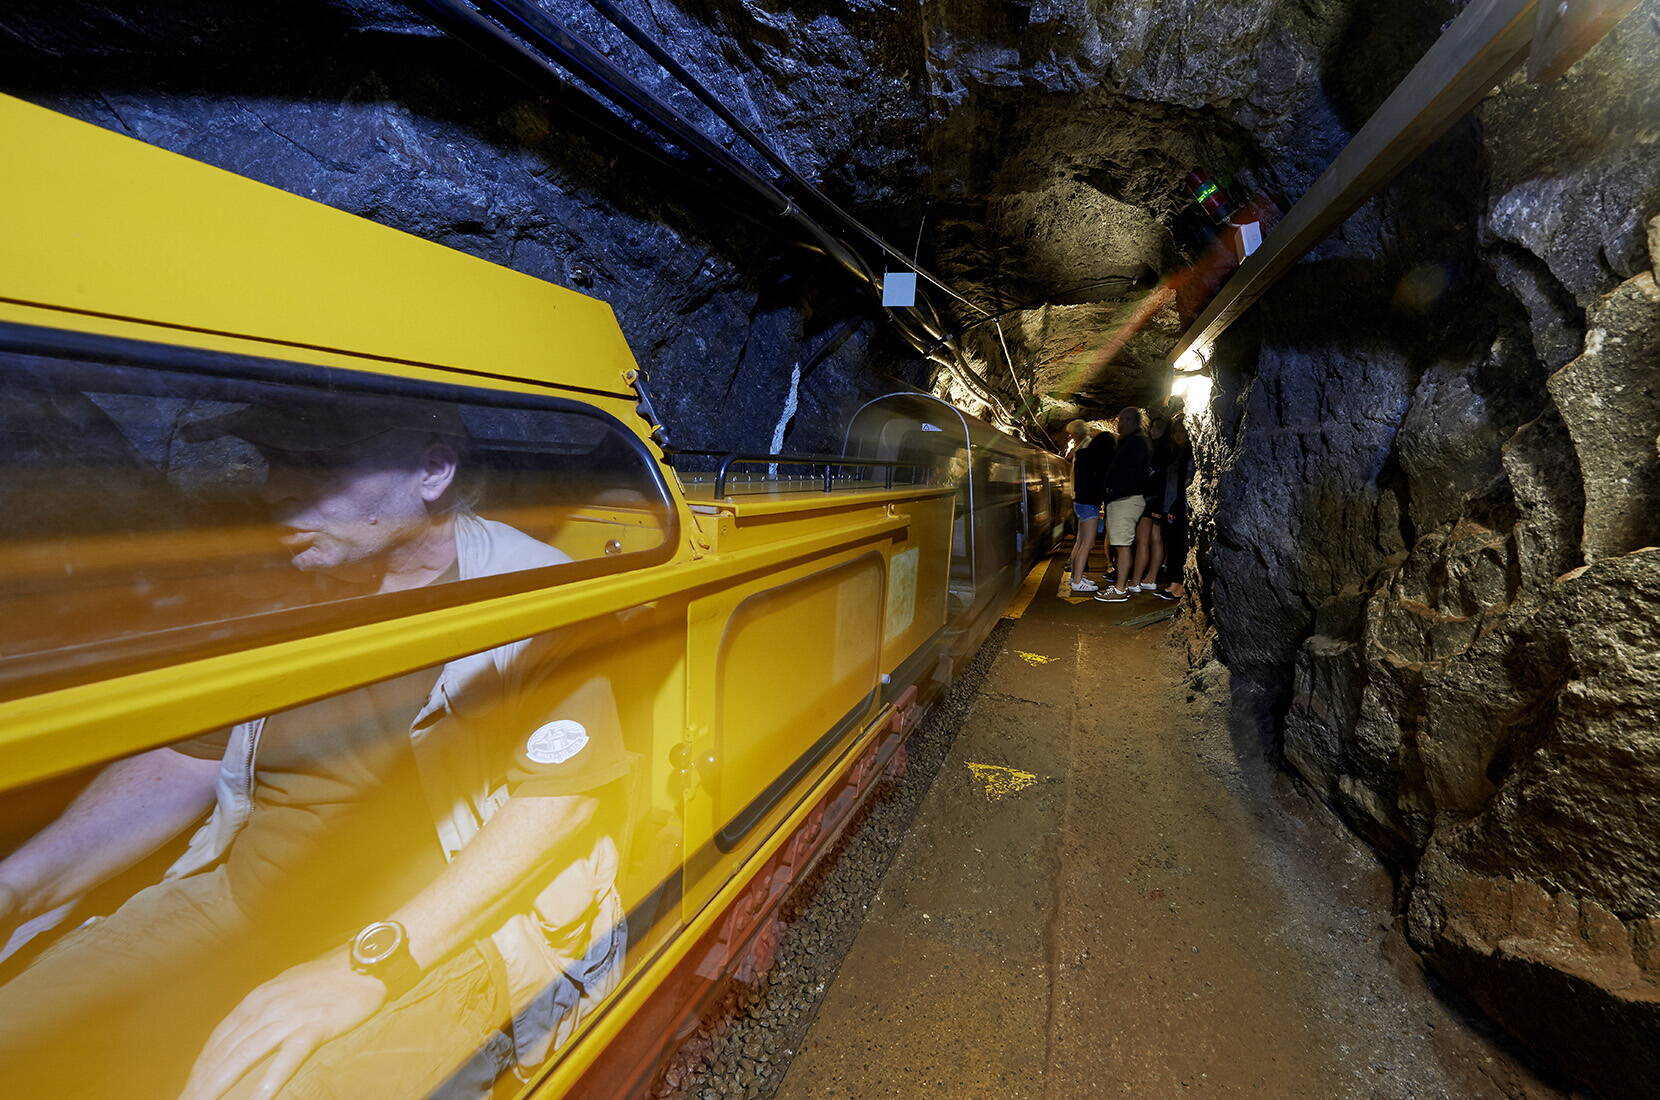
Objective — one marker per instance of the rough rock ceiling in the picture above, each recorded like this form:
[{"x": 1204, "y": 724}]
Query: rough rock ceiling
[
  {"x": 1058, "y": 135},
  {"x": 1039, "y": 147}
]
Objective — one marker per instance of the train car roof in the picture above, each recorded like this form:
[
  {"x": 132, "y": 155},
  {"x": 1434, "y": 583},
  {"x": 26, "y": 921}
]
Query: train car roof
[
  {"x": 927, "y": 407},
  {"x": 106, "y": 227}
]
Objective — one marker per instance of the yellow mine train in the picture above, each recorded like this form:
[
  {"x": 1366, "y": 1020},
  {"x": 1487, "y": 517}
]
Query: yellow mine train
[{"x": 373, "y": 684}]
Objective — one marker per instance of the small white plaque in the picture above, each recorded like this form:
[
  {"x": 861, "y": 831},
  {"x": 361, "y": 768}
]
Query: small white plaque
[
  {"x": 899, "y": 289},
  {"x": 556, "y": 742}
]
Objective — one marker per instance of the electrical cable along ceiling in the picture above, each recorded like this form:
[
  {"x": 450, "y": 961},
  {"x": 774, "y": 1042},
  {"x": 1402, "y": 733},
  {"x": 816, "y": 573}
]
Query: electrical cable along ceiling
[{"x": 532, "y": 44}]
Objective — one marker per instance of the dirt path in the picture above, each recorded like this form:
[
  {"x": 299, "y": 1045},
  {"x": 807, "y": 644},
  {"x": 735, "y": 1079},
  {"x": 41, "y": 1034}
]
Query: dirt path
[{"x": 1101, "y": 896}]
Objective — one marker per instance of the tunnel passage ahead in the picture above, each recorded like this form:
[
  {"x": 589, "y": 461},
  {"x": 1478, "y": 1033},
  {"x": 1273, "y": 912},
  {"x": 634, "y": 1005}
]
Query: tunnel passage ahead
[{"x": 1101, "y": 898}]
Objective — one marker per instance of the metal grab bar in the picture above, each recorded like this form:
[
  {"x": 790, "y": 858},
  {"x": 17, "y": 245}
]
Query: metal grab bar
[{"x": 829, "y": 462}]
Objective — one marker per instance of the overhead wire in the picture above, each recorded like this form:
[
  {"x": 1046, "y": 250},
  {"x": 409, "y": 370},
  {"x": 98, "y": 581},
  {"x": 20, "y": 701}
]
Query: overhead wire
[
  {"x": 933, "y": 324},
  {"x": 526, "y": 32},
  {"x": 1025, "y": 401},
  {"x": 1104, "y": 280},
  {"x": 527, "y": 41},
  {"x": 657, "y": 53}
]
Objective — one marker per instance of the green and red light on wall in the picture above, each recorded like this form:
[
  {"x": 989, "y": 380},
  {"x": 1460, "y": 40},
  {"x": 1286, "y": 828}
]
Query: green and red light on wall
[{"x": 1209, "y": 194}]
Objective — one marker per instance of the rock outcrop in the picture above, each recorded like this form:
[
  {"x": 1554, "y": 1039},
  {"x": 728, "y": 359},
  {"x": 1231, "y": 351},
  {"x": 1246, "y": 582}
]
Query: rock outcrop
[{"x": 1432, "y": 552}]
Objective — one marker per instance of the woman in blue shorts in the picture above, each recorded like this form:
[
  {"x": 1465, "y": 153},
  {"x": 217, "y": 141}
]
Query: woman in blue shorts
[{"x": 1091, "y": 454}]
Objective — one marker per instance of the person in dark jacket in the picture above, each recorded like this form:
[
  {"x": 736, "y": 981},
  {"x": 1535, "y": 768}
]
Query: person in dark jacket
[
  {"x": 1178, "y": 476},
  {"x": 1092, "y": 452},
  {"x": 1149, "y": 531},
  {"x": 1126, "y": 495}
]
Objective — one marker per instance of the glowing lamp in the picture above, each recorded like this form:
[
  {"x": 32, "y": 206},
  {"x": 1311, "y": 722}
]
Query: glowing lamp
[{"x": 1193, "y": 389}]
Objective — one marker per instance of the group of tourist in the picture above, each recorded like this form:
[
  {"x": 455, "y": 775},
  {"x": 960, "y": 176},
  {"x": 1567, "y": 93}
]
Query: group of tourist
[{"x": 1130, "y": 482}]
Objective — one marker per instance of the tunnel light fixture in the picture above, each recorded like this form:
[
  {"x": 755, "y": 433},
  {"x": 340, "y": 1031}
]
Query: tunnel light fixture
[
  {"x": 1191, "y": 360},
  {"x": 1194, "y": 390}
]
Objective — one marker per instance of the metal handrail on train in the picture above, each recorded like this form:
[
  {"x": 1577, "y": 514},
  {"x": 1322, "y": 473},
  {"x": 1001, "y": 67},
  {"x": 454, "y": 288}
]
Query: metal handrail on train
[{"x": 730, "y": 459}]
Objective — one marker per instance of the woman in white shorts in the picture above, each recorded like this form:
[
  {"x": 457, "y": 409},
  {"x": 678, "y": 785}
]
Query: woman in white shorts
[{"x": 1125, "y": 495}]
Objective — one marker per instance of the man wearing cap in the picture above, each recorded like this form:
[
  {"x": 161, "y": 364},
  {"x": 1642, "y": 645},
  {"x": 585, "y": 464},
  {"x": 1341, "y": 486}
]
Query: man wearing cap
[{"x": 414, "y": 876}]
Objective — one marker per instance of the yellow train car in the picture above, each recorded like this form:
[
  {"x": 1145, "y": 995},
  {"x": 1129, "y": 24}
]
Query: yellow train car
[{"x": 382, "y": 711}]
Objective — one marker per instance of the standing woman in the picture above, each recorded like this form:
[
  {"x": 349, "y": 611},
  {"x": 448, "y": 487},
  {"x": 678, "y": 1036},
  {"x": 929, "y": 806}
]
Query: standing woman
[
  {"x": 1091, "y": 452},
  {"x": 1126, "y": 495},
  {"x": 1177, "y": 478},
  {"x": 1149, "y": 530}
]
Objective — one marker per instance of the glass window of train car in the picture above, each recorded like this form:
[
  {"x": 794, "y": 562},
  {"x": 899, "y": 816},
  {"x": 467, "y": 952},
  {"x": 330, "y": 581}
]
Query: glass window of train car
[
  {"x": 999, "y": 471},
  {"x": 352, "y": 821},
  {"x": 934, "y": 452},
  {"x": 159, "y": 504}
]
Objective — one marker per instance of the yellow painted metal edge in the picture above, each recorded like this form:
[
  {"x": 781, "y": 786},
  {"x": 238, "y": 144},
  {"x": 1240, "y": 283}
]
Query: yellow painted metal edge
[
  {"x": 182, "y": 243},
  {"x": 772, "y": 504},
  {"x": 1023, "y": 598},
  {"x": 161, "y": 333},
  {"x": 56, "y": 732}
]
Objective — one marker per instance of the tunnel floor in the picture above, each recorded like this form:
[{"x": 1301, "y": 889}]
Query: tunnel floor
[{"x": 1102, "y": 896}]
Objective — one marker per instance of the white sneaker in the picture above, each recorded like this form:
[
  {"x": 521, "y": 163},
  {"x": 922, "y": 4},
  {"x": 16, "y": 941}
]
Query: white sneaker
[{"x": 1084, "y": 584}]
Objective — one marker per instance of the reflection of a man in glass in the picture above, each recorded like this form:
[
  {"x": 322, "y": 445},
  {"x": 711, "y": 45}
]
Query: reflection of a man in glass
[
  {"x": 362, "y": 500},
  {"x": 394, "y": 882}
]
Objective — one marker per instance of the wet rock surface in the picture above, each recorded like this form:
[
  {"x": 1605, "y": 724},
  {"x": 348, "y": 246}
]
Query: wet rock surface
[{"x": 1610, "y": 400}]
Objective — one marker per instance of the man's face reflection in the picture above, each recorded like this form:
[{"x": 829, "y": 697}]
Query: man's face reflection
[{"x": 351, "y": 506}]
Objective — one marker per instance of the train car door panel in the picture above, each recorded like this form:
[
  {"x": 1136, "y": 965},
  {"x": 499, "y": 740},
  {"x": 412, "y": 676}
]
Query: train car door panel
[{"x": 792, "y": 668}]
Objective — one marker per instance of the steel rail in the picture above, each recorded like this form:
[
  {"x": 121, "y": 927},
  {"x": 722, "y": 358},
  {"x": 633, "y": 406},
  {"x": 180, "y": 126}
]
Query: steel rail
[{"x": 1486, "y": 42}]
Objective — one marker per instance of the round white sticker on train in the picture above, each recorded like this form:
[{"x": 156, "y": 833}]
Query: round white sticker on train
[{"x": 556, "y": 742}]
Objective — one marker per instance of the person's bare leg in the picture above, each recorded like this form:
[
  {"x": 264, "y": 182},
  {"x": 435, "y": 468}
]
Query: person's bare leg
[
  {"x": 1155, "y": 551},
  {"x": 1125, "y": 555},
  {"x": 1085, "y": 543},
  {"x": 1142, "y": 550}
]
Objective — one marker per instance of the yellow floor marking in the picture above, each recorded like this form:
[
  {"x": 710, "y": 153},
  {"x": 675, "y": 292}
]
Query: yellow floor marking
[
  {"x": 999, "y": 781},
  {"x": 1023, "y": 599},
  {"x": 1065, "y": 591},
  {"x": 1033, "y": 659}
]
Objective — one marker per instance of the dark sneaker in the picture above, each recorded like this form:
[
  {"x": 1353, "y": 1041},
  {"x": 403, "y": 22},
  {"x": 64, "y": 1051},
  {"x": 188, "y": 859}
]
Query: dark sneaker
[
  {"x": 1112, "y": 595},
  {"x": 1162, "y": 594}
]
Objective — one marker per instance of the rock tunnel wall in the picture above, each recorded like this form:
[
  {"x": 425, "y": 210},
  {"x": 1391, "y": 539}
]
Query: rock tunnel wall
[
  {"x": 1429, "y": 468},
  {"x": 1024, "y": 150},
  {"x": 1431, "y": 549}
]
